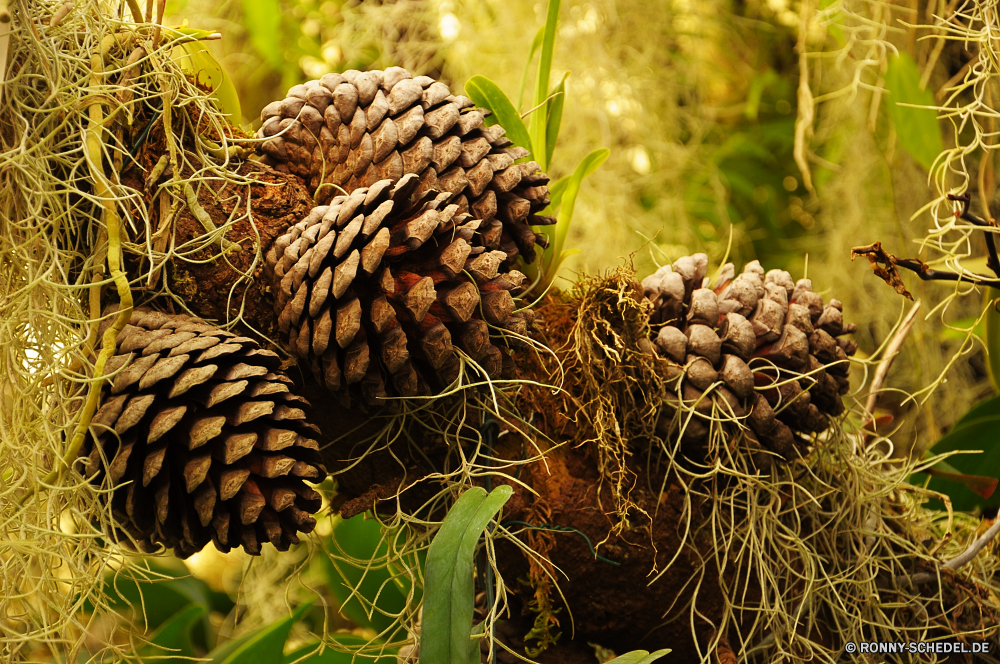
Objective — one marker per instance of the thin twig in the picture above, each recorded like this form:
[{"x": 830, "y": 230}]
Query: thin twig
[
  {"x": 955, "y": 563},
  {"x": 994, "y": 261},
  {"x": 890, "y": 354}
]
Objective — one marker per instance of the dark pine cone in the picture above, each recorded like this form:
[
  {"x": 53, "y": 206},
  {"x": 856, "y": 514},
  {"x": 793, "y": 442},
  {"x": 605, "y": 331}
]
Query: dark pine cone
[
  {"x": 202, "y": 440},
  {"x": 375, "y": 290},
  {"x": 347, "y": 131},
  {"x": 740, "y": 336}
]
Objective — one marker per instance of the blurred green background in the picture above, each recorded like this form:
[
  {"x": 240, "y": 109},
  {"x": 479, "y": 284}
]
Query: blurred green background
[{"x": 698, "y": 103}]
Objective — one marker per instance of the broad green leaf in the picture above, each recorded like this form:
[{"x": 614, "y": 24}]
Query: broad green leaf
[
  {"x": 445, "y": 633},
  {"x": 536, "y": 42},
  {"x": 361, "y": 539},
  {"x": 976, "y": 431},
  {"x": 992, "y": 321},
  {"x": 199, "y": 63},
  {"x": 639, "y": 657},
  {"x": 171, "y": 644},
  {"x": 330, "y": 656},
  {"x": 538, "y": 121},
  {"x": 487, "y": 94},
  {"x": 263, "y": 646},
  {"x": 262, "y": 19},
  {"x": 917, "y": 129},
  {"x": 555, "y": 111}
]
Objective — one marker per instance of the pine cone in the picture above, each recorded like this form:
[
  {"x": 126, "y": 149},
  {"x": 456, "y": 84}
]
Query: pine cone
[
  {"x": 373, "y": 290},
  {"x": 754, "y": 331},
  {"x": 350, "y": 130},
  {"x": 213, "y": 446}
]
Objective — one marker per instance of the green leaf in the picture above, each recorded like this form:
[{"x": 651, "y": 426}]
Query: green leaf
[
  {"x": 639, "y": 657},
  {"x": 262, "y": 19},
  {"x": 487, "y": 94},
  {"x": 975, "y": 431},
  {"x": 171, "y": 644},
  {"x": 555, "y": 111},
  {"x": 199, "y": 63},
  {"x": 445, "y": 633},
  {"x": 993, "y": 336},
  {"x": 917, "y": 129},
  {"x": 330, "y": 656},
  {"x": 538, "y": 121},
  {"x": 263, "y": 646},
  {"x": 158, "y": 598},
  {"x": 361, "y": 539}
]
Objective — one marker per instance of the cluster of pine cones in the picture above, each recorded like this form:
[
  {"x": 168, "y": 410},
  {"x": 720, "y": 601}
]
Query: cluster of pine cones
[
  {"x": 758, "y": 348},
  {"x": 399, "y": 279}
]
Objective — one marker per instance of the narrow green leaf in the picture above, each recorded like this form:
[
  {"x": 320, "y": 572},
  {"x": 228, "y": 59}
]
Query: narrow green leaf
[
  {"x": 536, "y": 42},
  {"x": 263, "y": 646},
  {"x": 445, "y": 633},
  {"x": 262, "y": 19},
  {"x": 330, "y": 656},
  {"x": 171, "y": 644},
  {"x": 555, "y": 111},
  {"x": 361, "y": 539},
  {"x": 917, "y": 129},
  {"x": 993, "y": 336},
  {"x": 487, "y": 94},
  {"x": 537, "y": 122},
  {"x": 639, "y": 657},
  {"x": 584, "y": 169}
]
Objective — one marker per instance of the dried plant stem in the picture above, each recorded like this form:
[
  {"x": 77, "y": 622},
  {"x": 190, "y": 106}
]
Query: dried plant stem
[{"x": 890, "y": 354}]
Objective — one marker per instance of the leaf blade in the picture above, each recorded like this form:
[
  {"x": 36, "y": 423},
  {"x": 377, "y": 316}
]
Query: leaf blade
[
  {"x": 639, "y": 657},
  {"x": 487, "y": 94},
  {"x": 263, "y": 646},
  {"x": 445, "y": 632},
  {"x": 537, "y": 123},
  {"x": 916, "y": 128},
  {"x": 555, "y": 111}
]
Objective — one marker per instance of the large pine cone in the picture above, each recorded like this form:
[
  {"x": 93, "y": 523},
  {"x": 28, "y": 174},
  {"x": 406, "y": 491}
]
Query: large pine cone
[
  {"x": 350, "y": 130},
  {"x": 754, "y": 331},
  {"x": 213, "y": 446},
  {"x": 374, "y": 288}
]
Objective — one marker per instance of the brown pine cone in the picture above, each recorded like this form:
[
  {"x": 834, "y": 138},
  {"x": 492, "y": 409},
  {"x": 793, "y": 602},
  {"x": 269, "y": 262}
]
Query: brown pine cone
[
  {"x": 347, "y": 131},
  {"x": 201, "y": 439},
  {"x": 765, "y": 345},
  {"x": 375, "y": 289}
]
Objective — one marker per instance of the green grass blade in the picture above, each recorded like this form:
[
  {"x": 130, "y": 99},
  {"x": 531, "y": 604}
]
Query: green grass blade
[
  {"x": 537, "y": 122},
  {"x": 487, "y": 94},
  {"x": 639, "y": 657},
  {"x": 536, "y": 42},
  {"x": 555, "y": 111},
  {"x": 445, "y": 633},
  {"x": 586, "y": 167},
  {"x": 172, "y": 643},
  {"x": 263, "y": 646}
]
